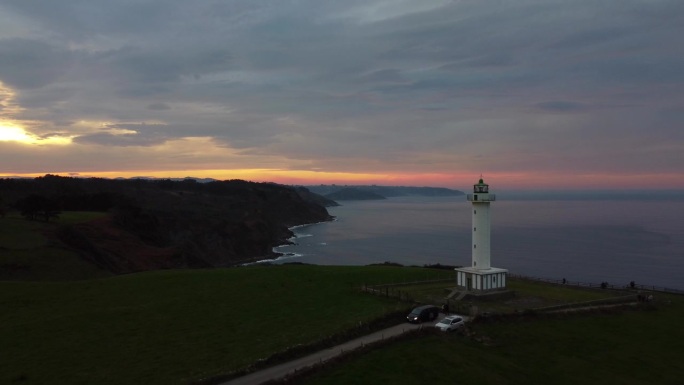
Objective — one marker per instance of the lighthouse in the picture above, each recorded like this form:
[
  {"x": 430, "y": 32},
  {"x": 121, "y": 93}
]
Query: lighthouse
[{"x": 480, "y": 275}]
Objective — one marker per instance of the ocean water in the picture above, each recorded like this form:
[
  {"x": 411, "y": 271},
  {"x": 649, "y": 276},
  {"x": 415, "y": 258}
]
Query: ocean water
[{"x": 616, "y": 241}]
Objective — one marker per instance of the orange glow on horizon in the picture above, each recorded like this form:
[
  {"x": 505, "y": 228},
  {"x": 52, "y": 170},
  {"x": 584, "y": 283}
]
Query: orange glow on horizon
[
  {"x": 288, "y": 177},
  {"x": 461, "y": 181}
]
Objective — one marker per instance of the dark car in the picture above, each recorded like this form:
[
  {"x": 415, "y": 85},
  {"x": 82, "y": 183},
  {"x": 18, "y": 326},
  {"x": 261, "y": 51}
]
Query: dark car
[{"x": 423, "y": 313}]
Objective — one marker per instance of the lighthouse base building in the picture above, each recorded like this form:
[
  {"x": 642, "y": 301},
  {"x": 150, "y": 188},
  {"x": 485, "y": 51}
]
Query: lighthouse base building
[
  {"x": 481, "y": 276},
  {"x": 470, "y": 279}
]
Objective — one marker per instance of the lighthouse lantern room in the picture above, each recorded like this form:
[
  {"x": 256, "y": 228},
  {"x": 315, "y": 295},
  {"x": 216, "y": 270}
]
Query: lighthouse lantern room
[{"x": 480, "y": 275}]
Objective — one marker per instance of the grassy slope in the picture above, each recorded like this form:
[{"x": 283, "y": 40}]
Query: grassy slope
[
  {"x": 27, "y": 252},
  {"x": 632, "y": 347},
  {"x": 170, "y": 327},
  {"x": 174, "y": 326}
]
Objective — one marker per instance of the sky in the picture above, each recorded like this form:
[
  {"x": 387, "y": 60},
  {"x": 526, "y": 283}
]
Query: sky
[{"x": 531, "y": 94}]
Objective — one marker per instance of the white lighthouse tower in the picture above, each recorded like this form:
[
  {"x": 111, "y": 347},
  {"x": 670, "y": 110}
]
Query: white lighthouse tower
[{"x": 480, "y": 275}]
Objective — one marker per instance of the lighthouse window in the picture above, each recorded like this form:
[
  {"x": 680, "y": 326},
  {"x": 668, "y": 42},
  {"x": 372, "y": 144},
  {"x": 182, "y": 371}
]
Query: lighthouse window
[
  {"x": 474, "y": 246},
  {"x": 474, "y": 211},
  {"x": 474, "y": 228}
]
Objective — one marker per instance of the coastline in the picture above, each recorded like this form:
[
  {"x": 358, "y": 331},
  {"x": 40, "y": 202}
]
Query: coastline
[
  {"x": 586, "y": 241},
  {"x": 285, "y": 242}
]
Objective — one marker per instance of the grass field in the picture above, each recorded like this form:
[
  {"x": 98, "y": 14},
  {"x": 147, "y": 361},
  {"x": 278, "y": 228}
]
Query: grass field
[
  {"x": 172, "y": 327},
  {"x": 629, "y": 347},
  {"x": 28, "y": 252},
  {"x": 528, "y": 294}
]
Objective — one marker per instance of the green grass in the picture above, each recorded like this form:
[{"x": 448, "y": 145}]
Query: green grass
[
  {"x": 528, "y": 294},
  {"x": 70, "y": 217},
  {"x": 631, "y": 347},
  {"x": 18, "y": 233},
  {"x": 558, "y": 293},
  {"x": 428, "y": 293},
  {"x": 29, "y": 252},
  {"x": 171, "y": 327},
  {"x": 533, "y": 294}
]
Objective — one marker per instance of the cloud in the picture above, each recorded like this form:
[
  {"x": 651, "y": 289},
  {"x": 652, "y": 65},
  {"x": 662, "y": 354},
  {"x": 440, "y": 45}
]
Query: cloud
[
  {"x": 28, "y": 63},
  {"x": 124, "y": 135},
  {"x": 158, "y": 106},
  {"x": 124, "y": 140},
  {"x": 561, "y": 106},
  {"x": 382, "y": 85}
]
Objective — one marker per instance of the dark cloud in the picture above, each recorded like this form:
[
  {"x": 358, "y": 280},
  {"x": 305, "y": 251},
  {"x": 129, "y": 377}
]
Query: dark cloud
[
  {"x": 124, "y": 140},
  {"x": 47, "y": 96},
  {"x": 79, "y": 20},
  {"x": 389, "y": 75},
  {"x": 562, "y": 106},
  {"x": 142, "y": 90},
  {"x": 28, "y": 63},
  {"x": 394, "y": 85},
  {"x": 158, "y": 106}
]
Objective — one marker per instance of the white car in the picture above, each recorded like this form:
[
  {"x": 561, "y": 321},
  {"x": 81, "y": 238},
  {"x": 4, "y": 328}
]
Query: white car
[{"x": 450, "y": 323}]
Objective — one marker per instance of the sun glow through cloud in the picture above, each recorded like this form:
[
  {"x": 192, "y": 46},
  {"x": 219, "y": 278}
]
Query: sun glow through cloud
[{"x": 13, "y": 133}]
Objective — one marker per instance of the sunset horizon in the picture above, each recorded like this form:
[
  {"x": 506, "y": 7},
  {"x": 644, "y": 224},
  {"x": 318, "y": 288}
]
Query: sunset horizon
[
  {"x": 462, "y": 182},
  {"x": 531, "y": 95}
]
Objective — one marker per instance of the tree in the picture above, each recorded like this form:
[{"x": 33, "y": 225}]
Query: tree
[{"x": 38, "y": 207}]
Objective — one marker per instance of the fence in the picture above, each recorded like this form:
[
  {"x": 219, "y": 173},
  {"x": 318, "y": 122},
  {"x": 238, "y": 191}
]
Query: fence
[
  {"x": 389, "y": 290},
  {"x": 393, "y": 290},
  {"x": 589, "y": 304},
  {"x": 602, "y": 285}
]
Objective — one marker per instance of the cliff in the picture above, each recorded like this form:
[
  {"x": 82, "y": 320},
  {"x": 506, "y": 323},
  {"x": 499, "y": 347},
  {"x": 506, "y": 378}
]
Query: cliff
[{"x": 159, "y": 224}]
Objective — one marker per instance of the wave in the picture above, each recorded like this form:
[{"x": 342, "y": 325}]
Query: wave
[
  {"x": 301, "y": 235},
  {"x": 280, "y": 258},
  {"x": 310, "y": 224}
]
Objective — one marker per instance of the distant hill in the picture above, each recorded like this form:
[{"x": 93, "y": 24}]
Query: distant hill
[
  {"x": 187, "y": 178},
  {"x": 383, "y": 191},
  {"x": 161, "y": 224},
  {"x": 309, "y": 196},
  {"x": 354, "y": 194}
]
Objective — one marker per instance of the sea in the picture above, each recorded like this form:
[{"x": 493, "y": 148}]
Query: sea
[{"x": 608, "y": 237}]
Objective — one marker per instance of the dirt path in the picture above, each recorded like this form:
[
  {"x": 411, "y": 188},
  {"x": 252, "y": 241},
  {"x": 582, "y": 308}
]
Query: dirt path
[{"x": 282, "y": 370}]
